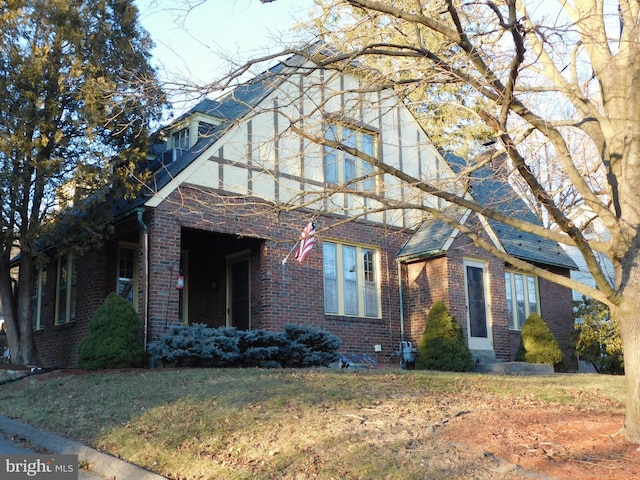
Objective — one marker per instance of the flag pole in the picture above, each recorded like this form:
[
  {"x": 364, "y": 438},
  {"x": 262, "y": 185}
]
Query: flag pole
[{"x": 290, "y": 252}]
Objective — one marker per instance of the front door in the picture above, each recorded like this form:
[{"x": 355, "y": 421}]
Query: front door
[
  {"x": 478, "y": 322},
  {"x": 239, "y": 291}
]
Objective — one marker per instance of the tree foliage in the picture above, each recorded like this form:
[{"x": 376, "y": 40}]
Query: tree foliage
[
  {"x": 598, "y": 337},
  {"x": 78, "y": 94},
  {"x": 115, "y": 337},
  {"x": 442, "y": 345},
  {"x": 538, "y": 345},
  {"x": 551, "y": 81}
]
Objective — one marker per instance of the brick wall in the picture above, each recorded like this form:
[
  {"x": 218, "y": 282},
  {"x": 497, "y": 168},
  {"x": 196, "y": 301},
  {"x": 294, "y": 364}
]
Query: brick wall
[
  {"x": 57, "y": 344},
  {"x": 292, "y": 292},
  {"x": 442, "y": 278},
  {"x": 282, "y": 293},
  {"x": 556, "y": 309}
]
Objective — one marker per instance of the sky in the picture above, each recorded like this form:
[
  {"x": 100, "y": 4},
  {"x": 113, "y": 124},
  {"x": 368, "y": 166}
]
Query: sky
[{"x": 191, "y": 45}]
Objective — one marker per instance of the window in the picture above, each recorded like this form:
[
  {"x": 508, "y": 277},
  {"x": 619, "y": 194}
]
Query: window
[
  {"x": 38, "y": 292},
  {"x": 351, "y": 285},
  {"x": 522, "y": 298},
  {"x": 66, "y": 290},
  {"x": 341, "y": 167},
  {"x": 127, "y": 273},
  {"x": 180, "y": 139}
]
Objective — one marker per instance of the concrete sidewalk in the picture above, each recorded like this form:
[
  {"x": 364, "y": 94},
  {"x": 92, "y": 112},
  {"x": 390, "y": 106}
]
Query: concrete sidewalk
[{"x": 102, "y": 464}]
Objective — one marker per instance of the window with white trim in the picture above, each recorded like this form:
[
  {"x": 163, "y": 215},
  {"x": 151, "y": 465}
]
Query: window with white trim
[
  {"x": 38, "y": 292},
  {"x": 522, "y": 298},
  {"x": 341, "y": 167},
  {"x": 351, "y": 280},
  {"x": 127, "y": 273},
  {"x": 180, "y": 139},
  {"x": 66, "y": 290}
]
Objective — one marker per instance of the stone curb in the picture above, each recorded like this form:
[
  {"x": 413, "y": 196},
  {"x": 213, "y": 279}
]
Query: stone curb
[{"x": 101, "y": 463}]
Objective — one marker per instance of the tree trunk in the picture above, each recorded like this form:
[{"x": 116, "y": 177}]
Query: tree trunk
[
  {"x": 628, "y": 316},
  {"x": 16, "y": 303}
]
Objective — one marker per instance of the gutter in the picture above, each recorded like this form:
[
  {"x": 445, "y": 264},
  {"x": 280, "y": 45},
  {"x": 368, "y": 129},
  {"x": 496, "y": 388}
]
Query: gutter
[{"x": 145, "y": 274}]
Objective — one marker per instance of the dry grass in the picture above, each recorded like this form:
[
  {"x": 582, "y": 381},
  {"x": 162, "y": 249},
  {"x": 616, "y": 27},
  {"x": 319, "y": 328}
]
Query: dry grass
[{"x": 234, "y": 424}]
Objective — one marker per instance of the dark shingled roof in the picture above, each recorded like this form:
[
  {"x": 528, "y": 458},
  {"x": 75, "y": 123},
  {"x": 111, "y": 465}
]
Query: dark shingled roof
[
  {"x": 229, "y": 108},
  {"x": 488, "y": 188}
]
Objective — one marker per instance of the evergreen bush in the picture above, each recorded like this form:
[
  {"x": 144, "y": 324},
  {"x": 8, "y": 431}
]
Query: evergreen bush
[
  {"x": 114, "y": 339},
  {"x": 261, "y": 348},
  {"x": 199, "y": 345},
  {"x": 538, "y": 345},
  {"x": 442, "y": 346},
  {"x": 308, "y": 346},
  {"x": 597, "y": 338}
]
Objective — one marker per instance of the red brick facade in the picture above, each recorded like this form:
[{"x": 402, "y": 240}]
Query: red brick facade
[
  {"x": 442, "y": 278},
  {"x": 205, "y": 230}
]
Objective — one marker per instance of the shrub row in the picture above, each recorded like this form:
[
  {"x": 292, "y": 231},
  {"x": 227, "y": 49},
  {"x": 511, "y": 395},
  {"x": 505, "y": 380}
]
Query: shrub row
[{"x": 200, "y": 346}]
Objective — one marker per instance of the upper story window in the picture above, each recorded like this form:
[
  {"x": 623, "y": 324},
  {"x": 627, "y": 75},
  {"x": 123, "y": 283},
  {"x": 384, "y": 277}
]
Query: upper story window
[
  {"x": 127, "y": 273},
  {"x": 341, "y": 167},
  {"x": 522, "y": 298},
  {"x": 180, "y": 139},
  {"x": 66, "y": 290},
  {"x": 351, "y": 280}
]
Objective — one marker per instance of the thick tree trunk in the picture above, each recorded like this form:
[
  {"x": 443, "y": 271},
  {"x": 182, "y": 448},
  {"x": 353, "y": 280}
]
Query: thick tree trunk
[
  {"x": 628, "y": 316},
  {"x": 17, "y": 315}
]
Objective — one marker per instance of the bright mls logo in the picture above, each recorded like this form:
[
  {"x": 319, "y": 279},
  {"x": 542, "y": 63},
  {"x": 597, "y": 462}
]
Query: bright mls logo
[{"x": 45, "y": 467}]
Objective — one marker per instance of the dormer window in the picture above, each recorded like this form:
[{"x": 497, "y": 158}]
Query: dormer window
[{"x": 180, "y": 139}]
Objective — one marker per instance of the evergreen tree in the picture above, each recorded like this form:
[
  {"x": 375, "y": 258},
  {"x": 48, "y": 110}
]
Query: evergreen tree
[
  {"x": 538, "y": 345},
  {"x": 115, "y": 339},
  {"x": 598, "y": 337},
  {"x": 442, "y": 345},
  {"x": 77, "y": 94}
]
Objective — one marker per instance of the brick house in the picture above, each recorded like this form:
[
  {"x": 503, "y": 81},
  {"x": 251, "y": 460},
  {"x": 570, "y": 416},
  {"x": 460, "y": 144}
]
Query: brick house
[
  {"x": 490, "y": 299},
  {"x": 233, "y": 183}
]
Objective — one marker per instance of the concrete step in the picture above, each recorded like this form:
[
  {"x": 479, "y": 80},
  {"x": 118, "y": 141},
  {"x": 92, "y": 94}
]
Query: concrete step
[{"x": 514, "y": 368}]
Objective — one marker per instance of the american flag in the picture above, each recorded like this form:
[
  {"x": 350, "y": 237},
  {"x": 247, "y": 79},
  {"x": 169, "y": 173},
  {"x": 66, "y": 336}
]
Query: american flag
[{"x": 307, "y": 239}]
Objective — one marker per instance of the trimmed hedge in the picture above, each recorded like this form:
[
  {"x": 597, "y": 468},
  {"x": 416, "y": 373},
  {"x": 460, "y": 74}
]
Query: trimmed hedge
[
  {"x": 442, "y": 346},
  {"x": 202, "y": 346},
  {"x": 114, "y": 339}
]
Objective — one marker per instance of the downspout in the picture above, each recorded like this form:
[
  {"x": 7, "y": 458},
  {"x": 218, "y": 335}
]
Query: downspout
[
  {"x": 401, "y": 300},
  {"x": 145, "y": 275}
]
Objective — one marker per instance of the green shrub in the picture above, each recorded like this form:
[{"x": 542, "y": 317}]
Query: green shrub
[
  {"x": 199, "y": 345},
  {"x": 308, "y": 346},
  {"x": 114, "y": 339},
  {"x": 538, "y": 345},
  {"x": 598, "y": 337},
  {"x": 442, "y": 345}
]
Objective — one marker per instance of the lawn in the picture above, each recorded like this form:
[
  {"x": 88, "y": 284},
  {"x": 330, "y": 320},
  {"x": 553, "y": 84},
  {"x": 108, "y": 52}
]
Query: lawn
[{"x": 253, "y": 423}]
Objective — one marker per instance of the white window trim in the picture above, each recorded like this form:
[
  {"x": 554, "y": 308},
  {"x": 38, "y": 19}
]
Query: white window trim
[
  {"x": 360, "y": 282},
  {"x": 514, "y": 302}
]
